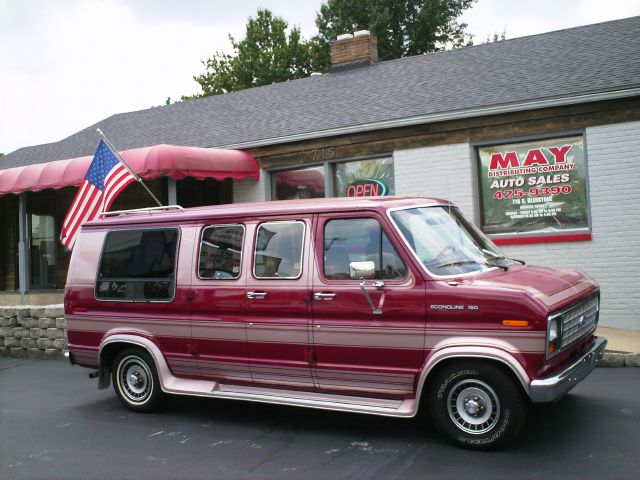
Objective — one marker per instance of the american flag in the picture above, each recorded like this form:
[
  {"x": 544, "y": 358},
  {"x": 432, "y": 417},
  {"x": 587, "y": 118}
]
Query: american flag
[{"x": 105, "y": 179}]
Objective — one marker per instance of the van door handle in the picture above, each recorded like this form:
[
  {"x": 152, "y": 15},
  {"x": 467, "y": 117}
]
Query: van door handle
[
  {"x": 252, "y": 295},
  {"x": 324, "y": 296}
]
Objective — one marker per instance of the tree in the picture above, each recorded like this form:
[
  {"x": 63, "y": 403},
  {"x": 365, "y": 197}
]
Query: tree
[
  {"x": 495, "y": 37},
  {"x": 403, "y": 27},
  {"x": 265, "y": 55}
]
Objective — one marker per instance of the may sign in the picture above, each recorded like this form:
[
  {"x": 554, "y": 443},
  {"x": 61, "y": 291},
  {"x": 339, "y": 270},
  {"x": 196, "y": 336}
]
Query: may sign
[
  {"x": 534, "y": 187},
  {"x": 366, "y": 187}
]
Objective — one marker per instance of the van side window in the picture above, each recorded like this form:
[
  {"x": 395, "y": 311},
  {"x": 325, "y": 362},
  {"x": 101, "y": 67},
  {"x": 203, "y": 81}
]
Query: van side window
[
  {"x": 221, "y": 252},
  {"x": 138, "y": 265},
  {"x": 358, "y": 240},
  {"x": 278, "y": 252}
]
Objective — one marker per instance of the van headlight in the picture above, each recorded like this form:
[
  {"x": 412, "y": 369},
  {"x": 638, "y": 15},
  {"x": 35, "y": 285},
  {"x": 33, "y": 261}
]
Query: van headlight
[{"x": 553, "y": 336}]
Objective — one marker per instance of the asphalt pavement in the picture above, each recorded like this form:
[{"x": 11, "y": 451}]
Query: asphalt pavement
[{"x": 56, "y": 424}]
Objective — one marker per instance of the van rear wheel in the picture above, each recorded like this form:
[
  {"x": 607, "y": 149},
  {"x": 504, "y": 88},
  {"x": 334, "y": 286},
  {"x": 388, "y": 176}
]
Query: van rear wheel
[
  {"x": 135, "y": 381},
  {"x": 477, "y": 404}
]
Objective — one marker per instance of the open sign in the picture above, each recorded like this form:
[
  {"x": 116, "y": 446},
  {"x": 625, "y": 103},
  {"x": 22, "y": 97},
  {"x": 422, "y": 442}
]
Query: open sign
[{"x": 366, "y": 187}]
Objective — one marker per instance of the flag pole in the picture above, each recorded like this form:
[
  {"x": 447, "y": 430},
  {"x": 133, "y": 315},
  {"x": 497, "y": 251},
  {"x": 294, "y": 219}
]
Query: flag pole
[{"x": 137, "y": 177}]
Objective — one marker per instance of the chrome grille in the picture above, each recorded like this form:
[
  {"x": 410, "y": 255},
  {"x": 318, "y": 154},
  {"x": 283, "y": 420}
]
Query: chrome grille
[{"x": 579, "y": 320}]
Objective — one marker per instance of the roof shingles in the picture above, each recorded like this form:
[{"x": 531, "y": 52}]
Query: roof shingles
[{"x": 594, "y": 58}]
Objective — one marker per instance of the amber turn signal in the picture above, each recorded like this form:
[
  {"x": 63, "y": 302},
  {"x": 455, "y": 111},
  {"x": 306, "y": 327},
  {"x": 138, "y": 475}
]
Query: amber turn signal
[{"x": 515, "y": 323}]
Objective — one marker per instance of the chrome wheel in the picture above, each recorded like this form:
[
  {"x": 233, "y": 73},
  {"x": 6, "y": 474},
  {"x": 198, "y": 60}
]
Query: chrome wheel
[
  {"x": 473, "y": 406},
  {"x": 135, "y": 379}
]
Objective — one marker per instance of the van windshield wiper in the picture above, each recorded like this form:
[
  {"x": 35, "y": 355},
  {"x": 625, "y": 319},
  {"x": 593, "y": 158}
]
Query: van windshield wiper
[
  {"x": 501, "y": 257},
  {"x": 455, "y": 264},
  {"x": 493, "y": 262}
]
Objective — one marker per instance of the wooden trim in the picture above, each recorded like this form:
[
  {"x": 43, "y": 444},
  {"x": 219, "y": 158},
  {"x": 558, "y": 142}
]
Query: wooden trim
[{"x": 471, "y": 130}]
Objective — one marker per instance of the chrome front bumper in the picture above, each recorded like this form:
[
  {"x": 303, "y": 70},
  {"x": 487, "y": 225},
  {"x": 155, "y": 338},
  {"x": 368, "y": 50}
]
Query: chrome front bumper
[{"x": 553, "y": 388}]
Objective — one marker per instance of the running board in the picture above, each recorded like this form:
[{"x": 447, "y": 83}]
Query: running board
[{"x": 324, "y": 401}]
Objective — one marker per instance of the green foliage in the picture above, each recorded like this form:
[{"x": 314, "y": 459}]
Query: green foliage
[
  {"x": 403, "y": 27},
  {"x": 497, "y": 38},
  {"x": 1, "y": 155},
  {"x": 349, "y": 172},
  {"x": 490, "y": 38},
  {"x": 267, "y": 54}
]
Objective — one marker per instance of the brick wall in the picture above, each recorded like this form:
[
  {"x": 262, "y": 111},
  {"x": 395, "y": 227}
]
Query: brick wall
[
  {"x": 249, "y": 190},
  {"x": 34, "y": 332},
  {"x": 443, "y": 171},
  {"x": 362, "y": 48},
  {"x": 612, "y": 257}
]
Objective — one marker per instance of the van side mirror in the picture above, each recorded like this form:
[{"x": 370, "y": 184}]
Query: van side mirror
[{"x": 360, "y": 270}]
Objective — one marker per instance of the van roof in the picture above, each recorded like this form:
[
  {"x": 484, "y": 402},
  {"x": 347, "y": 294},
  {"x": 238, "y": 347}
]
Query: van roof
[{"x": 264, "y": 209}]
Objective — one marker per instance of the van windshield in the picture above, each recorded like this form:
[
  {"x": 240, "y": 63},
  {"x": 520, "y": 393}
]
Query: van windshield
[{"x": 445, "y": 242}]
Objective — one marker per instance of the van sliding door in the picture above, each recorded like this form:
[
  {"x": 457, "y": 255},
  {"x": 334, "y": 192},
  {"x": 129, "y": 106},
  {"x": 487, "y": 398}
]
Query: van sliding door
[{"x": 218, "y": 317}]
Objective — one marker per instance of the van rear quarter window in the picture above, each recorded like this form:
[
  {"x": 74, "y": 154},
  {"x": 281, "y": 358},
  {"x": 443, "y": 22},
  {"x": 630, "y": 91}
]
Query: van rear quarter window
[{"x": 138, "y": 265}]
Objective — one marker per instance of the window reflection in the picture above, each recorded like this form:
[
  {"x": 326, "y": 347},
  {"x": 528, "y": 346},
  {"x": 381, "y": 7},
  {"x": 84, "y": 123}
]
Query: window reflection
[
  {"x": 358, "y": 240},
  {"x": 301, "y": 183},
  {"x": 365, "y": 178},
  {"x": 42, "y": 241},
  {"x": 278, "y": 251}
]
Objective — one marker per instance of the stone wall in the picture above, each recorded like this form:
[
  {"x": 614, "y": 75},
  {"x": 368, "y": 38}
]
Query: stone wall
[{"x": 33, "y": 332}]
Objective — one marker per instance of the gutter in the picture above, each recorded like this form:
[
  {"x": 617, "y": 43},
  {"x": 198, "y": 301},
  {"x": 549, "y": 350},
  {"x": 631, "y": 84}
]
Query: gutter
[{"x": 439, "y": 117}]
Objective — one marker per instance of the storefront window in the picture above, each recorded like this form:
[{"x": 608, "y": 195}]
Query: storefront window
[
  {"x": 300, "y": 183},
  {"x": 43, "y": 241},
  {"x": 537, "y": 187},
  {"x": 9, "y": 243},
  {"x": 364, "y": 178},
  {"x": 355, "y": 178}
]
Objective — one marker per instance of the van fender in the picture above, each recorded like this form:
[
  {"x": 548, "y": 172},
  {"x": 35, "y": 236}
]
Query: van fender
[
  {"x": 148, "y": 345},
  {"x": 469, "y": 351},
  {"x": 168, "y": 382}
]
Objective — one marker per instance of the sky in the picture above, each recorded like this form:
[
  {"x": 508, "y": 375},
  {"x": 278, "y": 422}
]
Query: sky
[{"x": 67, "y": 64}]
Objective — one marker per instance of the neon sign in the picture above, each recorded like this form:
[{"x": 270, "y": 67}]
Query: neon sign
[{"x": 366, "y": 187}]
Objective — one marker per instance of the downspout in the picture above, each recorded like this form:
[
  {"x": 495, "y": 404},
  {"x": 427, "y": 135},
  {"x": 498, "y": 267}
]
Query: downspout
[
  {"x": 23, "y": 248},
  {"x": 172, "y": 192}
]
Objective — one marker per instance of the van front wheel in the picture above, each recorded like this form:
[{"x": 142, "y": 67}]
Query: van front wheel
[
  {"x": 477, "y": 404},
  {"x": 135, "y": 381}
]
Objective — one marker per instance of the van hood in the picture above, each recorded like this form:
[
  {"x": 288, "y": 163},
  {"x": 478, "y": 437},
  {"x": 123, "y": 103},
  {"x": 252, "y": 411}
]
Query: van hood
[{"x": 554, "y": 287}]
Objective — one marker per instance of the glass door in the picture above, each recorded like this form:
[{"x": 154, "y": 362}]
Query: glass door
[{"x": 42, "y": 241}]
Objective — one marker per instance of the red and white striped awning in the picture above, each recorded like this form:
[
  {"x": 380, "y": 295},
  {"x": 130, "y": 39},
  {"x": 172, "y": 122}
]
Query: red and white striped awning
[{"x": 149, "y": 162}]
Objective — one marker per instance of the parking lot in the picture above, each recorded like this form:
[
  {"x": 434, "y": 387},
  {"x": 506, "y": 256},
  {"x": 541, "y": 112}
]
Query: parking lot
[{"x": 54, "y": 423}]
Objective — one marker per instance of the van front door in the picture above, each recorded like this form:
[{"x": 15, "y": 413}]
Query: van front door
[
  {"x": 365, "y": 346},
  {"x": 277, "y": 303}
]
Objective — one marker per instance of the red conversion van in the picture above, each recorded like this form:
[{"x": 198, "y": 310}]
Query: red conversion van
[{"x": 373, "y": 305}]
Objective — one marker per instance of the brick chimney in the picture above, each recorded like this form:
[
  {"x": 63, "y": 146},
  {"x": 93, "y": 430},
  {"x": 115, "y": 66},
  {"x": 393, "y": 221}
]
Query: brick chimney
[{"x": 355, "y": 50}]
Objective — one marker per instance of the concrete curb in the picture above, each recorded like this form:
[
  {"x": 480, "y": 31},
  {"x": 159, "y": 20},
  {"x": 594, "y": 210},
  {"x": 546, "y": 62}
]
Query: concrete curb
[{"x": 618, "y": 359}]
